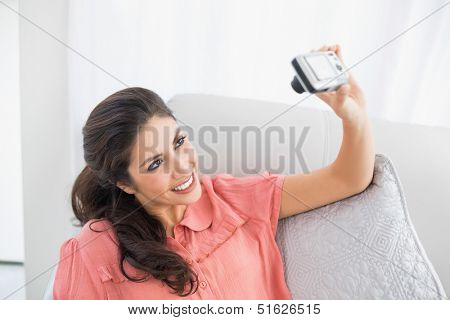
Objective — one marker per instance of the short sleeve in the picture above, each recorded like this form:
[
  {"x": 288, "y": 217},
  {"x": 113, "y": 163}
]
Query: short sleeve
[
  {"x": 257, "y": 196},
  {"x": 74, "y": 279}
]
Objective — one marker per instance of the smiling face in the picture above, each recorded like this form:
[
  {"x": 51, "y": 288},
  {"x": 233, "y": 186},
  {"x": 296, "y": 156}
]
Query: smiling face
[{"x": 161, "y": 159}]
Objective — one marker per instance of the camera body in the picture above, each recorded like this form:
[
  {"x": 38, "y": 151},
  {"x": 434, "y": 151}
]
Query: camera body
[{"x": 318, "y": 71}]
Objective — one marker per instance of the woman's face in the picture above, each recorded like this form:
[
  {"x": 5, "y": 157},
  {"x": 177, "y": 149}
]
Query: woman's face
[{"x": 163, "y": 158}]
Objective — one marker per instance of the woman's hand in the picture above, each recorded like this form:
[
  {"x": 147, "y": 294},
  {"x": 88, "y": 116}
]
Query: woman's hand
[{"x": 348, "y": 101}]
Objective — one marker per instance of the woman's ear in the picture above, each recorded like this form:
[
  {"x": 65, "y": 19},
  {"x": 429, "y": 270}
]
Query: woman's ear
[{"x": 125, "y": 187}]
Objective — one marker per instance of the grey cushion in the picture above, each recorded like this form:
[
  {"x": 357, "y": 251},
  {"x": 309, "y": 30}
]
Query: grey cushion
[{"x": 361, "y": 247}]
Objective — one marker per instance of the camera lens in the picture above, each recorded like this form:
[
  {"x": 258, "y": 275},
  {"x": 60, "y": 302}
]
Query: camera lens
[{"x": 296, "y": 85}]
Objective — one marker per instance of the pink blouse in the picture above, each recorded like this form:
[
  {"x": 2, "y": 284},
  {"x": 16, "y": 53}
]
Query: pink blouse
[{"x": 227, "y": 236}]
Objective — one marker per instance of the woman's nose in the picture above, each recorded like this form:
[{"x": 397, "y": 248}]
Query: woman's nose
[{"x": 181, "y": 165}]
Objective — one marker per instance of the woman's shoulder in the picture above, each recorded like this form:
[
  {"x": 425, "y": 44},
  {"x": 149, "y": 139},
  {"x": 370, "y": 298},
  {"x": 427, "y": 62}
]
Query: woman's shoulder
[
  {"x": 98, "y": 228},
  {"x": 247, "y": 188},
  {"x": 81, "y": 259},
  {"x": 98, "y": 234},
  {"x": 96, "y": 242},
  {"x": 257, "y": 196}
]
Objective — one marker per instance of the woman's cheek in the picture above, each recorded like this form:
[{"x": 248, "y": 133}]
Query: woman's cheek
[{"x": 153, "y": 185}]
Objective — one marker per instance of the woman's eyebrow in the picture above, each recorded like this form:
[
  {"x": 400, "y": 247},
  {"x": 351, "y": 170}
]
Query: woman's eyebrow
[{"x": 177, "y": 131}]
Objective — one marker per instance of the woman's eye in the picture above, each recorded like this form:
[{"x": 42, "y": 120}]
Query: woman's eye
[
  {"x": 181, "y": 139},
  {"x": 151, "y": 167}
]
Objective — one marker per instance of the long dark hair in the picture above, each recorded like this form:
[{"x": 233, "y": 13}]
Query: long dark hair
[{"x": 108, "y": 137}]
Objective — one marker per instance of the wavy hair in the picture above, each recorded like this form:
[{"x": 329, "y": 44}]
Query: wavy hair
[{"x": 108, "y": 136}]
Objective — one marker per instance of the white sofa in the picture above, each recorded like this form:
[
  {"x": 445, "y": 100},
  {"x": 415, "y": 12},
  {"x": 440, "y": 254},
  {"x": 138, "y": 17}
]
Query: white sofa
[{"x": 421, "y": 155}]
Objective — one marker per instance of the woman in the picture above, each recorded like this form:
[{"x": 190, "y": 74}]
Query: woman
[{"x": 154, "y": 228}]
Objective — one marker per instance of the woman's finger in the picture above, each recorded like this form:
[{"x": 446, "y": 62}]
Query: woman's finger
[
  {"x": 338, "y": 52},
  {"x": 325, "y": 96}
]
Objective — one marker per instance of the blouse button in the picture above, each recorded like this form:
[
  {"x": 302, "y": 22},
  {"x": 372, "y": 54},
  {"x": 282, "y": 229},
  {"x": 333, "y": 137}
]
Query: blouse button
[
  {"x": 189, "y": 260},
  {"x": 203, "y": 284}
]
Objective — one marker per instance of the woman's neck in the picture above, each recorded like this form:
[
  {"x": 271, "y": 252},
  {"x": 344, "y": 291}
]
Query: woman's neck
[{"x": 170, "y": 217}]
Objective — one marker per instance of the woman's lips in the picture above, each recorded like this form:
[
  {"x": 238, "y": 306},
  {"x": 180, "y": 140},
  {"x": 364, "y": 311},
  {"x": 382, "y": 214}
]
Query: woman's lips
[
  {"x": 183, "y": 182},
  {"x": 188, "y": 189}
]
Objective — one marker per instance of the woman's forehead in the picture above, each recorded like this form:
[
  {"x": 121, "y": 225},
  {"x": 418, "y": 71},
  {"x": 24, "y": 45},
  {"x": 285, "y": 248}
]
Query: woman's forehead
[{"x": 157, "y": 129}]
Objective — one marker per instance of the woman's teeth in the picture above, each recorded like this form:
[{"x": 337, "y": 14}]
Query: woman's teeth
[{"x": 184, "y": 185}]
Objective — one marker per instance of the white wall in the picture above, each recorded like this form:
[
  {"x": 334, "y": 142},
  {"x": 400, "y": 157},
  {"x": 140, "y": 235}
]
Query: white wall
[
  {"x": 12, "y": 274},
  {"x": 46, "y": 148},
  {"x": 11, "y": 233},
  {"x": 244, "y": 48}
]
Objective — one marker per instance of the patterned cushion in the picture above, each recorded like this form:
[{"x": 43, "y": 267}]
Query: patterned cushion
[{"x": 361, "y": 247}]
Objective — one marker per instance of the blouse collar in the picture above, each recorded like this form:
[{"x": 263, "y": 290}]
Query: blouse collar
[{"x": 198, "y": 215}]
